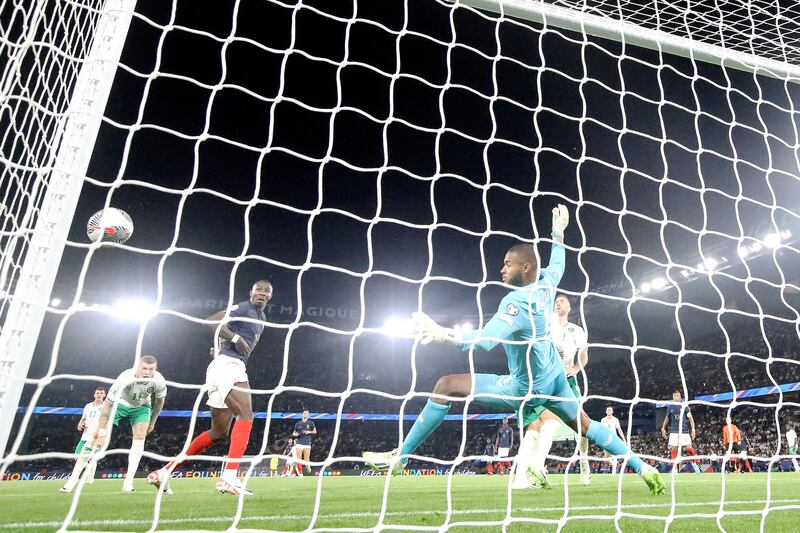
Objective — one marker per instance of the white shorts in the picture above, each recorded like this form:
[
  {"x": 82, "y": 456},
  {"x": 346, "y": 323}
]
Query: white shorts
[
  {"x": 299, "y": 447},
  {"x": 221, "y": 375},
  {"x": 502, "y": 452},
  {"x": 679, "y": 439}
]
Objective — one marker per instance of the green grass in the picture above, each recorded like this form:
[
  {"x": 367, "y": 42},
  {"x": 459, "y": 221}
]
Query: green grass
[{"x": 355, "y": 502}]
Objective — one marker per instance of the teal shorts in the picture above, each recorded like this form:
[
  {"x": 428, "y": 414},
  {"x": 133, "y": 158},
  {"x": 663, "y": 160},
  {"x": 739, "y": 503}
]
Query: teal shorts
[
  {"x": 793, "y": 450},
  {"x": 134, "y": 415},
  {"x": 506, "y": 387},
  {"x": 531, "y": 413}
]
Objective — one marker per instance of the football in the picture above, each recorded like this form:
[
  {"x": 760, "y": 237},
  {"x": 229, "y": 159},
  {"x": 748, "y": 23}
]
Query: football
[{"x": 110, "y": 225}]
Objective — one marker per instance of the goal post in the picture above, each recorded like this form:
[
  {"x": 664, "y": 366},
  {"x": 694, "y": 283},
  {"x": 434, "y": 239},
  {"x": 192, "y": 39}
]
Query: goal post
[
  {"x": 50, "y": 173},
  {"x": 615, "y": 25}
]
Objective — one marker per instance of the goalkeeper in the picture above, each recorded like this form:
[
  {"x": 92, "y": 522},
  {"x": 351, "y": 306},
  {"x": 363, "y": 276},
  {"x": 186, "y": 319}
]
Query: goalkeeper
[{"x": 522, "y": 325}]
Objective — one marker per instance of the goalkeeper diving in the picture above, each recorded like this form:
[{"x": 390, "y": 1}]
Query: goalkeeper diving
[{"x": 522, "y": 325}]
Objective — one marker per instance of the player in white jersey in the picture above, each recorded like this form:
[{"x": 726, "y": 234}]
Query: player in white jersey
[
  {"x": 87, "y": 424},
  {"x": 612, "y": 423},
  {"x": 791, "y": 444},
  {"x": 138, "y": 395},
  {"x": 571, "y": 342},
  {"x": 291, "y": 468}
]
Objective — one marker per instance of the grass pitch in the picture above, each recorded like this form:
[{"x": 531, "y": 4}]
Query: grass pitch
[{"x": 477, "y": 503}]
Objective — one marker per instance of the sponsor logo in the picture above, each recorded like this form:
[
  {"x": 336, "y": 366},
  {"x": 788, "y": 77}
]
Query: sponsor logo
[
  {"x": 422, "y": 472},
  {"x": 512, "y": 310}
]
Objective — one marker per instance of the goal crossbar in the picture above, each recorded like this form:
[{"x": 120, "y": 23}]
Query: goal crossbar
[{"x": 634, "y": 34}]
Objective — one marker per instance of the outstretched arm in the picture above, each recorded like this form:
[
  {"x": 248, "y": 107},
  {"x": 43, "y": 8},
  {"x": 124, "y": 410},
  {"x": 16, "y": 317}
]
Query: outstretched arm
[
  {"x": 501, "y": 327},
  {"x": 555, "y": 269},
  {"x": 560, "y": 221}
]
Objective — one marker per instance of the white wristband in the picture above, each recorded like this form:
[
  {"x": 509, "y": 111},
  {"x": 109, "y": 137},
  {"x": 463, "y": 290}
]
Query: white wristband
[
  {"x": 235, "y": 339},
  {"x": 102, "y": 432}
]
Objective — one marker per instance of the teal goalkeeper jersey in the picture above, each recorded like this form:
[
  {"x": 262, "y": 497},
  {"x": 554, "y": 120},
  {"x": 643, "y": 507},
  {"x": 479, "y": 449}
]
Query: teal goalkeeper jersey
[{"x": 523, "y": 320}]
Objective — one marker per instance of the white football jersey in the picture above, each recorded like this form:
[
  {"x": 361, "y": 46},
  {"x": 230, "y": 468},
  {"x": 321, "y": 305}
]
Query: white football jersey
[
  {"x": 129, "y": 391},
  {"x": 568, "y": 338},
  {"x": 791, "y": 437},
  {"x": 91, "y": 414},
  {"x": 612, "y": 423}
]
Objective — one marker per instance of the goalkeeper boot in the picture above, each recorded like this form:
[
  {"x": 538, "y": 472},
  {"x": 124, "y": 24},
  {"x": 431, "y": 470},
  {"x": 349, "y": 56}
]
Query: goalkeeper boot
[
  {"x": 383, "y": 461},
  {"x": 523, "y": 484},
  {"x": 653, "y": 479},
  {"x": 539, "y": 478}
]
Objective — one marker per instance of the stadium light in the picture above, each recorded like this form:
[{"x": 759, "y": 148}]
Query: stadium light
[
  {"x": 398, "y": 327},
  {"x": 744, "y": 251},
  {"x": 773, "y": 240},
  {"x": 645, "y": 287},
  {"x": 686, "y": 273},
  {"x": 460, "y": 329},
  {"x": 55, "y": 302},
  {"x": 755, "y": 247},
  {"x": 786, "y": 235},
  {"x": 659, "y": 283},
  {"x": 132, "y": 310},
  {"x": 710, "y": 263}
]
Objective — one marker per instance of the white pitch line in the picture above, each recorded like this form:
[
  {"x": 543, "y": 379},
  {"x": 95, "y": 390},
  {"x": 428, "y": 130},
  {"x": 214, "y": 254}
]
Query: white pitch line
[{"x": 273, "y": 518}]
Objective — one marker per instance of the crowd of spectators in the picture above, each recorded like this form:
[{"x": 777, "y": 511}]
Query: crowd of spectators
[
  {"x": 763, "y": 427},
  {"x": 637, "y": 381}
]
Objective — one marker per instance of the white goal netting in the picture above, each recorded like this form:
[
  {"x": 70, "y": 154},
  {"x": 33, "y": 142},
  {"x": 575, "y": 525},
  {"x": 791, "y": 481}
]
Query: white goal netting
[{"x": 377, "y": 158}]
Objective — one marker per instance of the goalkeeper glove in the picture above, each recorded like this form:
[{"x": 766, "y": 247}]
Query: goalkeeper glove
[
  {"x": 433, "y": 332},
  {"x": 560, "y": 221}
]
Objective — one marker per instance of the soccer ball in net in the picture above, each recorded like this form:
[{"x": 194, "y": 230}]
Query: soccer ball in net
[{"x": 110, "y": 225}]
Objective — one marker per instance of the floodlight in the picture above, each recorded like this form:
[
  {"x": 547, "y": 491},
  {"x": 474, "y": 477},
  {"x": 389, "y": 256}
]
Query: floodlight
[
  {"x": 659, "y": 283},
  {"x": 773, "y": 240},
  {"x": 132, "y": 310},
  {"x": 398, "y": 327}
]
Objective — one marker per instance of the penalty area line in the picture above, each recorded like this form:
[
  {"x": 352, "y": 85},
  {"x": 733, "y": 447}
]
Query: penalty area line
[{"x": 365, "y": 514}]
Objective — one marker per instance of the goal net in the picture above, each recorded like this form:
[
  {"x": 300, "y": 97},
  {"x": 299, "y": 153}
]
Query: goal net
[{"x": 373, "y": 159}]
